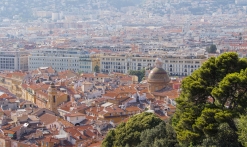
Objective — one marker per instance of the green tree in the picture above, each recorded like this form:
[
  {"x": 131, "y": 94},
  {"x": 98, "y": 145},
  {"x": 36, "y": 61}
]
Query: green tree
[
  {"x": 110, "y": 138},
  {"x": 211, "y": 49},
  {"x": 159, "y": 136},
  {"x": 226, "y": 137},
  {"x": 213, "y": 95},
  {"x": 139, "y": 73},
  {"x": 242, "y": 129},
  {"x": 96, "y": 69},
  {"x": 129, "y": 133}
]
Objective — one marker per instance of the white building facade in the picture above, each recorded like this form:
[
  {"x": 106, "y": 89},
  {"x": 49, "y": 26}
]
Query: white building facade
[
  {"x": 60, "y": 59},
  {"x": 175, "y": 65},
  {"x": 14, "y": 60}
]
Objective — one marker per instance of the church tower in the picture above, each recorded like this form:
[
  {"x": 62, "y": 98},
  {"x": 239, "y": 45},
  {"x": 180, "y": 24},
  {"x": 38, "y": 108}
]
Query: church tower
[{"x": 52, "y": 98}]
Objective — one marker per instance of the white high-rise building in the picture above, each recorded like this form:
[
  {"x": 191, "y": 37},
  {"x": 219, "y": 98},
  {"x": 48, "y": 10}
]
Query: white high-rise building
[
  {"x": 60, "y": 59},
  {"x": 13, "y": 60}
]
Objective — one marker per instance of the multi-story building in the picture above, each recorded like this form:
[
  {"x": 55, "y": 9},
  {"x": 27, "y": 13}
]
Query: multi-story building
[
  {"x": 175, "y": 64},
  {"x": 13, "y": 60},
  {"x": 61, "y": 59}
]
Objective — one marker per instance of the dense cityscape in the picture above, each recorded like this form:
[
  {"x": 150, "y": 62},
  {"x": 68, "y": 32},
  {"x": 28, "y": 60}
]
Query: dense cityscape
[{"x": 122, "y": 73}]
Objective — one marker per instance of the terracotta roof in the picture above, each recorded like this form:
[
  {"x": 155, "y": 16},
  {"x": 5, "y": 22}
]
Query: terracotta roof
[
  {"x": 110, "y": 109},
  {"x": 75, "y": 133},
  {"x": 133, "y": 108},
  {"x": 52, "y": 118},
  {"x": 163, "y": 117},
  {"x": 97, "y": 144},
  {"x": 91, "y": 75},
  {"x": 4, "y": 96},
  {"x": 93, "y": 110},
  {"x": 9, "y": 131},
  {"x": 50, "y": 139},
  {"x": 126, "y": 78},
  {"x": 74, "y": 114},
  {"x": 65, "y": 123},
  {"x": 7, "y": 112},
  {"x": 172, "y": 94},
  {"x": 16, "y": 128}
]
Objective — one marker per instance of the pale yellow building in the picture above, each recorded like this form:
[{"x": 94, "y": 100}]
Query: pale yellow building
[
  {"x": 6, "y": 81},
  {"x": 95, "y": 62},
  {"x": 17, "y": 78}
]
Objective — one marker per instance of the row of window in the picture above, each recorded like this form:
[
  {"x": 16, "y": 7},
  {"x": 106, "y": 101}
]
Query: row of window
[
  {"x": 6, "y": 68},
  {"x": 185, "y": 66},
  {"x": 179, "y": 70},
  {"x": 58, "y": 64},
  {"x": 7, "y": 59},
  {"x": 88, "y": 67},
  {"x": 47, "y": 59}
]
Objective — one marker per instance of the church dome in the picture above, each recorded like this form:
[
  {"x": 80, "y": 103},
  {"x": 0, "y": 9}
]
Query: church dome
[{"x": 158, "y": 74}]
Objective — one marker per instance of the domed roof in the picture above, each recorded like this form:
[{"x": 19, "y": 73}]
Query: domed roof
[{"x": 158, "y": 74}]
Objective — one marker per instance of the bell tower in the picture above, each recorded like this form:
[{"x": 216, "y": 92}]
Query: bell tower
[{"x": 52, "y": 98}]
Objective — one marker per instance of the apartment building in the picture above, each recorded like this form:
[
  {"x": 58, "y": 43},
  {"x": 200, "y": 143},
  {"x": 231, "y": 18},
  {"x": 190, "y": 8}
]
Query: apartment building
[
  {"x": 174, "y": 64},
  {"x": 13, "y": 60},
  {"x": 61, "y": 59}
]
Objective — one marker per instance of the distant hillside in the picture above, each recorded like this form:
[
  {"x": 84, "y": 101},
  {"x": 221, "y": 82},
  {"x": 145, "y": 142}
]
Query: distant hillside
[{"x": 124, "y": 3}]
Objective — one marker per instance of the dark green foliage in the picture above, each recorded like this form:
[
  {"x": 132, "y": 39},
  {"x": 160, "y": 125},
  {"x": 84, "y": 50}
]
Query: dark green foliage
[
  {"x": 96, "y": 69},
  {"x": 160, "y": 136},
  {"x": 226, "y": 137},
  {"x": 242, "y": 130},
  {"x": 129, "y": 134},
  {"x": 212, "y": 97},
  {"x": 110, "y": 138},
  {"x": 211, "y": 49},
  {"x": 139, "y": 73}
]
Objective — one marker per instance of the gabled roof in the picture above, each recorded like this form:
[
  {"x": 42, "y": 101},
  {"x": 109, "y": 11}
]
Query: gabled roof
[{"x": 48, "y": 118}]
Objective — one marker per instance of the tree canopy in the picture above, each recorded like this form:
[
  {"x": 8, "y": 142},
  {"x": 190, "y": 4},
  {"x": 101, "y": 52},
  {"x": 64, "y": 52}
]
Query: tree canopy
[
  {"x": 139, "y": 73},
  {"x": 241, "y": 125},
  {"x": 141, "y": 130},
  {"x": 211, "y": 49},
  {"x": 210, "y": 101},
  {"x": 96, "y": 69},
  {"x": 162, "y": 135}
]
